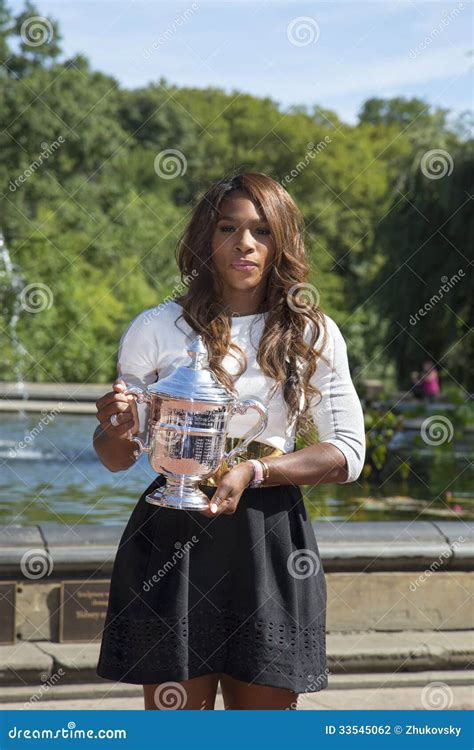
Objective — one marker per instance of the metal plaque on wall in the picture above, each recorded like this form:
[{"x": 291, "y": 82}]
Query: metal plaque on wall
[
  {"x": 7, "y": 611},
  {"x": 83, "y": 606}
]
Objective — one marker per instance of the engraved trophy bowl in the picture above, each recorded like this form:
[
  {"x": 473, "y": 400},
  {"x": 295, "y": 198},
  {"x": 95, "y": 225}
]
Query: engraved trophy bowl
[{"x": 188, "y": 422}]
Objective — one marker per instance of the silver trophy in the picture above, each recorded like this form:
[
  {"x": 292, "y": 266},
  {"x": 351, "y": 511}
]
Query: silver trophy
[{"x": 189, "y": 417}]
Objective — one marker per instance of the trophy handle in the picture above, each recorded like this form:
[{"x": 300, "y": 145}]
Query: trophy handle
[
  {"x": 241, "y": 408},
  {"x": 141, "y": 397}
]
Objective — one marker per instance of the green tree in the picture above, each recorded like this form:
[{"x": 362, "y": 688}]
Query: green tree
[
  {"x": 427, "y": 242},
  {"x": 38, "y": 41},
  {"x": 97, "y": 220}
]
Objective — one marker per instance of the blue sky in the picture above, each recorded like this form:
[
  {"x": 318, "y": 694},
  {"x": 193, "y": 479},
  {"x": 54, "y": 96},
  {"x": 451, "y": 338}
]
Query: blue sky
[{"x": 334, "y": 54}]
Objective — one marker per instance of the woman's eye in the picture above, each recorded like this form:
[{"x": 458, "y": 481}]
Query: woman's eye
[{"x": 226, "y": 228}]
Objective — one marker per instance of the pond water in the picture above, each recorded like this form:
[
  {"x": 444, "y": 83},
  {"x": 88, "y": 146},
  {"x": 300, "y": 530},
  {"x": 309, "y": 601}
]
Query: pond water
[{"x": 58, "y": 477}]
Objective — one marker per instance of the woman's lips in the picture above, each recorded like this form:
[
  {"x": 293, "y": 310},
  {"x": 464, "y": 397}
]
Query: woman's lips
[{"x": 244, "y": 266}]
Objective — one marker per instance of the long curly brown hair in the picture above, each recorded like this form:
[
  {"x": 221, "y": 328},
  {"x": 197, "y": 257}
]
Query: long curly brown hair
[{"x": 287, "y": 301}]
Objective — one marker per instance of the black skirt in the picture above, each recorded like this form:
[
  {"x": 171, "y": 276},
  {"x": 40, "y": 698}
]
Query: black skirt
[{"x": 241, "y": 594}]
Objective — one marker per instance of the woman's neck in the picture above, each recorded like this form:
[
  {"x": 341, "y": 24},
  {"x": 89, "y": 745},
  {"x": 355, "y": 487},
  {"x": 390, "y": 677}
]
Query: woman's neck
[
  {"x": 239, "y": 306},
  {"x": 243, "y": 303},
  {"x": 240, "y": 314}
]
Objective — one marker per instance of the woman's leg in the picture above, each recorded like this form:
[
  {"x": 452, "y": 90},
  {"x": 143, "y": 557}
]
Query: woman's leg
[
  {"x": 198, "y": 693},
  {"x": 245, "y": 695}
]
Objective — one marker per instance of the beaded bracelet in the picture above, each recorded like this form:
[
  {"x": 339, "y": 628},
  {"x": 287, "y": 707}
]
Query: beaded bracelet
[{"x": 260, "y": 472}]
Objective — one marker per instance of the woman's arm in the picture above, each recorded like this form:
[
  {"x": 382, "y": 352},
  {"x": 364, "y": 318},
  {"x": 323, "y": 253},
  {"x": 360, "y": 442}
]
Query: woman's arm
[
  {"x": 338, "y": 457},
  {"x": 114, "y": 453},
  {"x": 111, "y": 443},
  {"x": 340, "y": 454},
  {"x": 321, "y": 463},
  {"x": 136, "y": 365}
]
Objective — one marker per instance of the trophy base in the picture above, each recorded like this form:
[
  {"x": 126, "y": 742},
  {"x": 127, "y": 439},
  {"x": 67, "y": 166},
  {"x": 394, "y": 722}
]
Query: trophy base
[{"x": 179, "y": 495}]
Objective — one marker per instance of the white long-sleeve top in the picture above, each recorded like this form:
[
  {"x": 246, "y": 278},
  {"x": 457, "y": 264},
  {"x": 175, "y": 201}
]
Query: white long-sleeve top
[{"x": 155, "y": 344}]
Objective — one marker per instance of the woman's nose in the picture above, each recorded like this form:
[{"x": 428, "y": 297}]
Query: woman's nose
[{"x": 245, "y": 241}]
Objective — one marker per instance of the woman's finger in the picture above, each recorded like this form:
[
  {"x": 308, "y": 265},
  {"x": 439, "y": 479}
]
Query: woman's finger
[
  {"x": 218, "y": 503},
  {"x": 230, "y": 507},
  {"x": 111, "y": 398},
  {"x": 117, "y": 407},
  {"x": 115, "y": 429}
]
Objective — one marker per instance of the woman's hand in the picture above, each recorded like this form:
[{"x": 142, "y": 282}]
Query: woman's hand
[
  {"x": 229, "y": 490},
  {"x": 125, "y": 407}
]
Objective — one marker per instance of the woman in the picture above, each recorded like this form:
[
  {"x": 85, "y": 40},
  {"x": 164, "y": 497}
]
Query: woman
[
  {"x": 244, "y": 603},
  {"x": 430, "y": 381}
]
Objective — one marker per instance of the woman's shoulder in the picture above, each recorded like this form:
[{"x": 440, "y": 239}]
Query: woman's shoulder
[
  {"x": 154, "y": 327},
  {"x": 329, "y": 334},
  {"x": 154, "y": 317}
]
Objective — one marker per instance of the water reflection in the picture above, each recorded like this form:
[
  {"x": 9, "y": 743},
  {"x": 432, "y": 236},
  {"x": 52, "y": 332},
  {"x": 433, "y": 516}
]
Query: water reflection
[{"x": 58, "y": 477}]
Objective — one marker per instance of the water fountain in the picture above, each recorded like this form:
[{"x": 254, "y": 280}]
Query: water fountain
[{"x": 11, "y": 286}]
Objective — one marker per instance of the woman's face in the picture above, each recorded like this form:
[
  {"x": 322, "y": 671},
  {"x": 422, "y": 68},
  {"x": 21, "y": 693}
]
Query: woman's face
[{"x": 242, "y": 245}]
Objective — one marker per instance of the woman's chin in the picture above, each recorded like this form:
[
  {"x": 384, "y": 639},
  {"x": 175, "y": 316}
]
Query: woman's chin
[{"x": 242, "y": 282}]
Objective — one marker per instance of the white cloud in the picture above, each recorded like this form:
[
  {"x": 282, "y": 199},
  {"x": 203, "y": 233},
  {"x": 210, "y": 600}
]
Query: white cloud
[{"x": 374, "y": 76}]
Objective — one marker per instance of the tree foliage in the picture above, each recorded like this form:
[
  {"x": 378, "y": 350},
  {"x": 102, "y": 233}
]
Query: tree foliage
[{"x": 86, "y": 211}]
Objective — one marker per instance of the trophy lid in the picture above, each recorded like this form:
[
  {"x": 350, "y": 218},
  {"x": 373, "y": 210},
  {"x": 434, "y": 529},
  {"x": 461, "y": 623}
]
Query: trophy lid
[{"x": 195, "y": 381}]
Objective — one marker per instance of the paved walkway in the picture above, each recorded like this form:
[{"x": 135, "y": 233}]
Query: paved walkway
[{"x": 427, "y": 690}]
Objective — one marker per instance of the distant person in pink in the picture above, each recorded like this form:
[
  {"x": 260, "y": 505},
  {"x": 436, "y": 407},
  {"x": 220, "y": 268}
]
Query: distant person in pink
[{"x": 430, "y": 381}]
